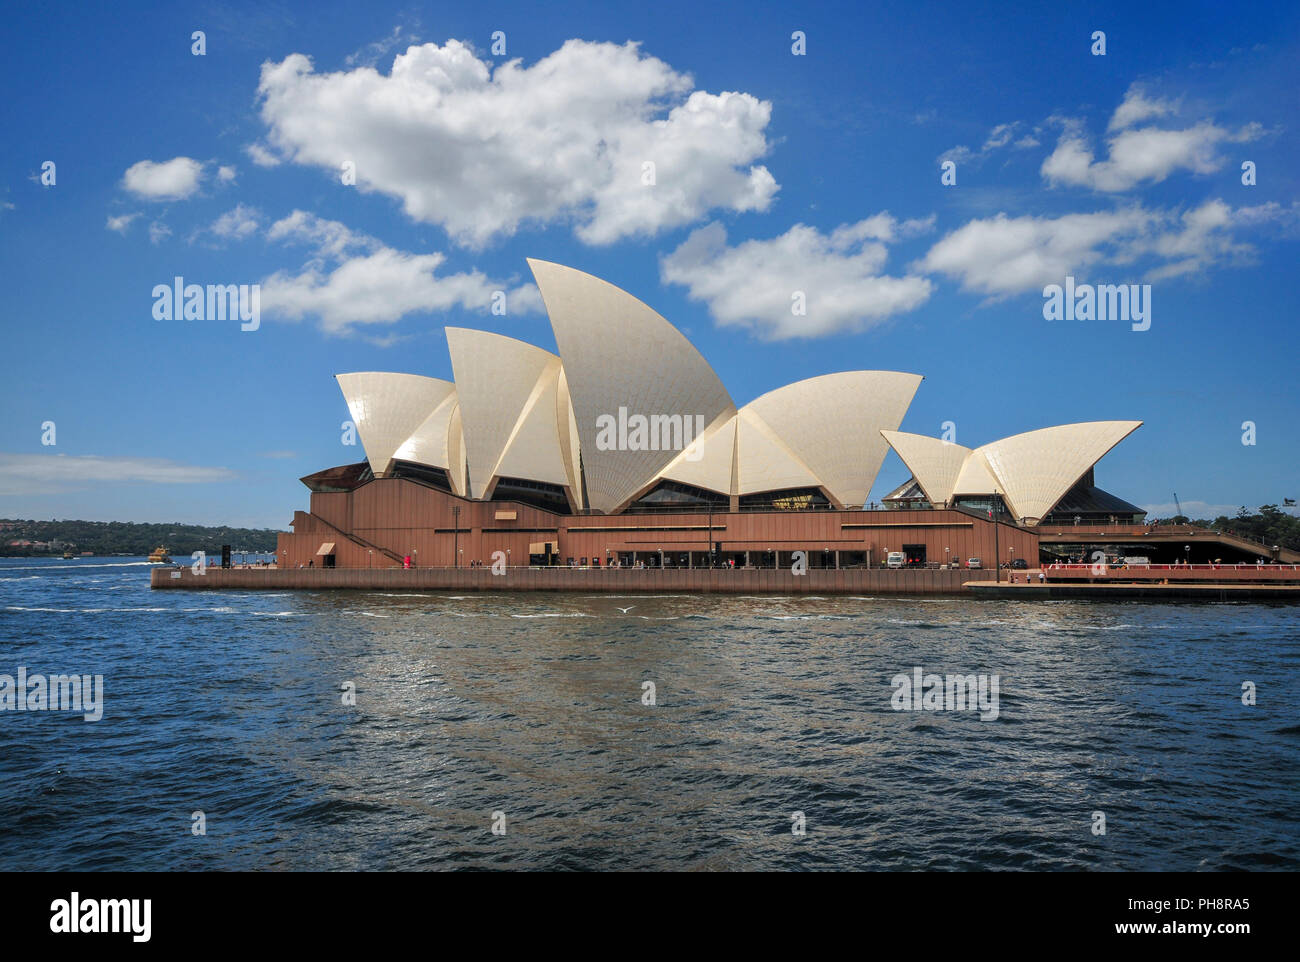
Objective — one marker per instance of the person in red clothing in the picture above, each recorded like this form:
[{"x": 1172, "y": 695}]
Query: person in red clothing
[{"x": 406, "y": 562}]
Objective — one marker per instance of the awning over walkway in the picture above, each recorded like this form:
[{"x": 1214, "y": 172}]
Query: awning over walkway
[{"x": 326, "y": 548}]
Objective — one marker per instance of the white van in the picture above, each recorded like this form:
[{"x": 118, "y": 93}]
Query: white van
[{"x": 896, "y": 559}]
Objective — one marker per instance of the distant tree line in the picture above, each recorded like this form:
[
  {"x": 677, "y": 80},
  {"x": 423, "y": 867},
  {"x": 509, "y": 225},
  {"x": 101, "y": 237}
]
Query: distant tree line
[
  {"x": 1270, "y": 525},
  {"x": 122, "y": 537}
]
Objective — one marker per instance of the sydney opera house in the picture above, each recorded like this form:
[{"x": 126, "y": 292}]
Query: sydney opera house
[{"x": 627, "y": 450}]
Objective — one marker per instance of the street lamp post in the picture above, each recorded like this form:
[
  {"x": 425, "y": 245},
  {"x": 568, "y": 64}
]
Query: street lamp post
[
  {"x": 995, "y": 510},
  {"x": 708, "y": 546}
]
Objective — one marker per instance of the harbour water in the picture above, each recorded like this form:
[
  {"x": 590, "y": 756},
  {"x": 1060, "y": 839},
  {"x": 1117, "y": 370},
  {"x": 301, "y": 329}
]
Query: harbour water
[{"x": 526, "y": 711}]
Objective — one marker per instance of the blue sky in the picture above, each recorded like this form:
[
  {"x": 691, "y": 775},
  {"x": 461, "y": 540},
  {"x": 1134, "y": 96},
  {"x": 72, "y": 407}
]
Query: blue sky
[{"x": 775, "y": 173}]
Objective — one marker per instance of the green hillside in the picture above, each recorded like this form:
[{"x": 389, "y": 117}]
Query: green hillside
[{"x": 35, "y": 538}]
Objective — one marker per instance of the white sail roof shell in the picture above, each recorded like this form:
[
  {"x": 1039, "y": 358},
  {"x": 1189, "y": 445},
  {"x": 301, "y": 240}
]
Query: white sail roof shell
[
  {"x": 458, "y": 466},
  {"x": 428, "y": 444},
  {"x": 1031, "y": 471},
  {"x": 508, "y": 402},
  {"x": 709, "y": 462},
  {"x": 934, "y": 463},
  {"x": 519, "y": 411},
  {"x": 975, "y": 477},
  {"x": 619, "y": 353},
  {"x": 1035, "y": 470},
  {"x": 763, "y": 462},
  {"x": 388, "y": 408},
  {"x": 534, "y": 450},
  {"x": 567, "y": 425},
  {"x": 832, "y": 425}
]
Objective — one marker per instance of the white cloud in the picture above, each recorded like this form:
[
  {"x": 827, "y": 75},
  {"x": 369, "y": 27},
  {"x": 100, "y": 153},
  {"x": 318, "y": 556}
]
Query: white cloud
[
  {"x": 237, "y": 223},
  {"x": 525, "y": 299},
  {"x": 391, "y": 339},
  {"x": 40, "y": 473},
  {"x": 376, "y": 288},
  {"x": 482, "y": 151},
  {"x": 226, "y": 174},
  {"x": 1200, "y": 238},
  {"x": 1006, "y": 255},
  {"x": 1136, "y": 107},
  {"x": 261, "y": 156},
  {"x": 328, "y": 237},
  {"x": 1135, "y": 156},
  {"x": 998, "y": 137},
  {"x": 752, "y": 284},
  {"x": 1139, "y": 155},
  {"x": 159, "y": 232},
  {"x": 355, "y": 280},
  {"x": 121, "y": 222},
  {"x": 372, "y": 53},
  {"x": 173, "y": 179},
  {"x": 1001, "y": 256},
  {"x": 1286, "y": 219}
]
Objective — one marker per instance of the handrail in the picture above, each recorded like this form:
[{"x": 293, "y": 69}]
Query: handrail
[
  {"x": 1150, "y": 531},
  {"x": 1175, "y": 566},
  {"x": 359, "y": 540}
]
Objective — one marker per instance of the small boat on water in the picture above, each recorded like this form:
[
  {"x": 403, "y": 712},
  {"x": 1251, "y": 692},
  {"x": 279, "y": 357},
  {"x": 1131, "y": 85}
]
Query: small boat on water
[
  {"x": 159, "y": 555},
  {"x": 68, "y": 556}
]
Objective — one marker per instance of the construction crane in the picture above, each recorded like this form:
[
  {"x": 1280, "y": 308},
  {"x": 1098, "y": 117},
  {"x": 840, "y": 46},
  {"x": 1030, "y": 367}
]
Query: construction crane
[{"x": 1179, "y": 505}]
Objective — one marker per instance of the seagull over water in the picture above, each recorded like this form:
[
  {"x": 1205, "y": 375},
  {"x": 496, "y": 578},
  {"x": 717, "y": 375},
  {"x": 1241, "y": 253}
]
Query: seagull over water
[{"x": 627, "y": 609}]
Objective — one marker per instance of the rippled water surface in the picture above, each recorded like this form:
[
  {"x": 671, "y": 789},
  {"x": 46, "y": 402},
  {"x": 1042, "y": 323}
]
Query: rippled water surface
[{"x": 230, "y": 703}]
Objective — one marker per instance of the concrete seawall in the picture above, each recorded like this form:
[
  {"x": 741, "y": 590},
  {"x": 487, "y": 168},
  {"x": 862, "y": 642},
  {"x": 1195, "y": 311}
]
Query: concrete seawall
[
  {"x": 1187, "y": 591},
  {"x": 818, "y": 581},
  {"x": 630, "y": 580}
]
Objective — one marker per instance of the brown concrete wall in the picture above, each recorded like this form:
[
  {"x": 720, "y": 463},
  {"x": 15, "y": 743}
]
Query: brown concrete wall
[
  {"x": 409, "y": 518},
  {"x": 310, "y": 532},
  {"x": 862, "y": 581}
]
